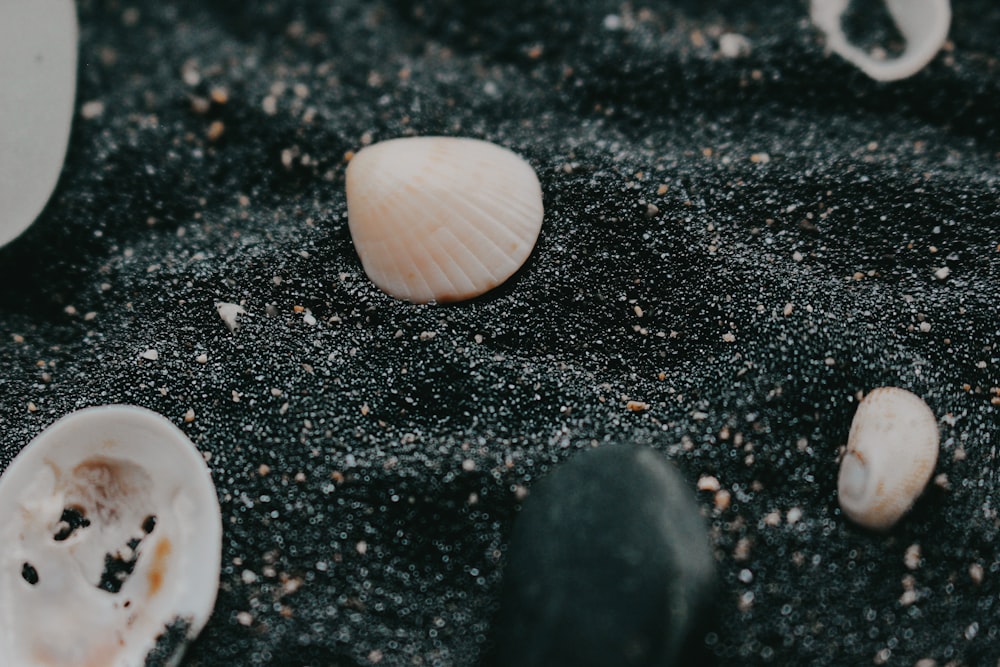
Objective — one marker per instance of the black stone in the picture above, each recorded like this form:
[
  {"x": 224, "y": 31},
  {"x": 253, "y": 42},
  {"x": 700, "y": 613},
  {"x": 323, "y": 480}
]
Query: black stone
[{"x": 608, "y": 565}]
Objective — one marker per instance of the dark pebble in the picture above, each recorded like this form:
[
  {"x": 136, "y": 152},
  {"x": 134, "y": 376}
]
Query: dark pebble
[{"x": 608, "y": 565}]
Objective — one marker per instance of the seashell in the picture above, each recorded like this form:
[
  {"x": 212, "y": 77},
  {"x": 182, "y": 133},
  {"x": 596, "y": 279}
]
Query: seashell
[
  {"x": 111, "y": 543},
  {"x": 922, "y": 23},
  {"x": 38, "y": 47},
  {"x": 439, "y": 219},
  {"x": 891, "y": 453}
]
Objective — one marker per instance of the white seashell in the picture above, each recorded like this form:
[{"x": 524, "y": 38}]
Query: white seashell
[
  {"x": 891, "y": 453},
  {"x": 118, "y": 485},
  {"x": 923, "y": 23},
  {"x": 441, "y": 218},
  {"x": 38, "y": 45}
]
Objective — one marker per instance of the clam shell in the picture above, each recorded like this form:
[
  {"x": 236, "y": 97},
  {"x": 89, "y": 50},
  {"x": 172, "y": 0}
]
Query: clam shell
[
  {"x": 38, "y": 47},
  {"x": 923, "y": 23},
  {"x": 111, "y": 543},
  {"x": 439, "y": 219},
  {"x": 891, "y": 452}
]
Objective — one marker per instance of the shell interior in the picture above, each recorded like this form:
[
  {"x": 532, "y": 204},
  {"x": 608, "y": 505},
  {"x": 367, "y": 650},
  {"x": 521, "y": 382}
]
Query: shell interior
[
  {"x": 441, "y": 219},
  {"x": 111, "y": 546},
  {"x": 923, "y": 24},
  {"x": 38, "y": 53}
]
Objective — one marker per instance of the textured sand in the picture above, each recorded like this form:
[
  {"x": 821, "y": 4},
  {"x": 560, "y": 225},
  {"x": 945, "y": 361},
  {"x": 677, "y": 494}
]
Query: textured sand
[{"x": 742, "y": 244}]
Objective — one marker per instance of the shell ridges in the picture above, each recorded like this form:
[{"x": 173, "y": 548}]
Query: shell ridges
[{"x": 440, "y": 219}]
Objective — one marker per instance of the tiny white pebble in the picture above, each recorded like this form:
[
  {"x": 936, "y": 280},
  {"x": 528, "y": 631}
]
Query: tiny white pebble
[
  {"x": 92, "y": 109},
  {"x": 925, "y": 327},
  {"x": 728, "y": 337},
  {"x": 150, "y": 354},
  {"x": 722, "y": 500},
  {"x": 231, "y": 313},
  {"x": 708, "y": 483},
  {"x": 612, "y": 22},
  {"x": 942, "y": 273},
  {"x": 912, "y": 557},
  {"x": 734, "y": 45},
  {"x": 202, "y": 358},
  {"x": 244, "y": 618}
]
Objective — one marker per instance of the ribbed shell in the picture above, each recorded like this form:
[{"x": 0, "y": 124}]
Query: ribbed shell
[
  {"x": 116, "y": 484},
  {"x": 891, "y": 453},
  {"x": 38, "y": 46},
  {"x": 440, "y": 219}
]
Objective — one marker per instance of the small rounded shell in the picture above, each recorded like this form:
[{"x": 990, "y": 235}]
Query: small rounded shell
[
  {"x": 439, "y": 219},
  {"x": 891, "y": 453},
  {"x": 110, "y": 544}
]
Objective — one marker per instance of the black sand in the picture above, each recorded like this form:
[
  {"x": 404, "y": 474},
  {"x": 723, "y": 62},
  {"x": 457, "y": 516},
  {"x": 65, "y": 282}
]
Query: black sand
[{"x": 401, "y": 437}]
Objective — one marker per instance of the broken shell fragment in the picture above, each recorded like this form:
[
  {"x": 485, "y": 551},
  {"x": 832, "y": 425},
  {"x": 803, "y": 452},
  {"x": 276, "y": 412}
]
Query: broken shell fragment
[
  {"x": 231, "y": 314},
  {"x": 922, "y": 23},
  {"x": 891, "y": 452},
  {"x": 38, "y": 46},
  {"x": 111, "y": 544},
  {"x": 440, "y": 219}
]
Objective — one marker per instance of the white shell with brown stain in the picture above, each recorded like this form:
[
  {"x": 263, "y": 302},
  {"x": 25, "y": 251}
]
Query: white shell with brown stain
[
  {"x": 891, "y": 452},
  {"x": 38, "y": 54},
  {"x": 98, "y": 493},
  {"x": 923, "y": 24},
  {"x": 441, "y": 219}
]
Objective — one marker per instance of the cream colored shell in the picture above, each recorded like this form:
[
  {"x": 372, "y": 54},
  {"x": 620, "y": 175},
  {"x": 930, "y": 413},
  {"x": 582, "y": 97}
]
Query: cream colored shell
[
  {"x": 101, "y": 491},
  {"x": 891, "y": 452},
  {"x": 439, "y": 219}
]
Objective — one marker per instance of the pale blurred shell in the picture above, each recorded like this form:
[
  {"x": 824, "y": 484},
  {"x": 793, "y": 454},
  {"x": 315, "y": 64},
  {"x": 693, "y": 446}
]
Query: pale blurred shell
[
  {"x": 439, "y": 219},
  {"x": 891, "y": 453},
  {"x": 106, "y": 486},
  {"x": 38, "y": 45},
  {"x": 923, "y": 24}
]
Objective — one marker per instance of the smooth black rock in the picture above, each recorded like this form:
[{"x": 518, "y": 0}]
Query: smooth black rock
[{"x": 609, "y": 565}]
